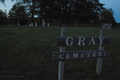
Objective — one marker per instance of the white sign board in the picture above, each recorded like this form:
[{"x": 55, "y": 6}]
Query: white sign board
[{"x": 106, "y": 25}]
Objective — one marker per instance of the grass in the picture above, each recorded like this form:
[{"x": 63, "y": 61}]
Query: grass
[{"x": 27, "y": 51}]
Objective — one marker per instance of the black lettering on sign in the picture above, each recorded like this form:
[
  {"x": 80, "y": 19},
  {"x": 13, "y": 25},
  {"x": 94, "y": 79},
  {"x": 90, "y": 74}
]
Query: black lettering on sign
[
  {"x": 81, "y": 41},
  {"x": 70, "y": 55}
]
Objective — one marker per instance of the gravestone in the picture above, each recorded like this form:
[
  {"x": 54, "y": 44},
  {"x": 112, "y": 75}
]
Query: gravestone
[
  {"x": 36, "y": 23},
  {"x": 43, "y": 22},
  {"x": 31, "y": 24},
  {"x": 18, "y": 23},
  {"x": 48, "y": 24},
  {"x": 25, "y": 24}
]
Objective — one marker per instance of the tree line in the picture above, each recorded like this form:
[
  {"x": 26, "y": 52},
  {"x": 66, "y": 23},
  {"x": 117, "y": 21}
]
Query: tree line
[{"x": 60, "y": 12}]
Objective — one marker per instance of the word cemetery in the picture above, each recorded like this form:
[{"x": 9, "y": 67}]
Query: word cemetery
[
  {"x": 63, "y": 55},
  {"x": 69, "y": 55}
]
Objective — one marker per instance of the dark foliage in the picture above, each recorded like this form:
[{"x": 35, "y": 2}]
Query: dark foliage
[
  {"x": 60, "y": 12},
  {"x": 3, "y": 17}
]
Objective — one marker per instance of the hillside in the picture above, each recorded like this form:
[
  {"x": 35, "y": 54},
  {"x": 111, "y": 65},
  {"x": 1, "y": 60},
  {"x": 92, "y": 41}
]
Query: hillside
[{"x": 26, "y": 53}]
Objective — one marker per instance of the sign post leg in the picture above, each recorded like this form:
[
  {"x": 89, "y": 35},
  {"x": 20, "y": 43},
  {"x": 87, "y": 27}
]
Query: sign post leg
[
  {"x": 61, "y": 63},
  {"x": 99, "y": 60},
  {"x": 61, "y": 70}
]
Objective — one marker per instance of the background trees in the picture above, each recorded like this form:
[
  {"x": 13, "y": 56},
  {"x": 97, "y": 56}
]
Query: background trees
[
  {"x": 107, "y": 16},
  {"x": 61, "y": 12},
  {"x": 3, "y": 17},
  {"x": 18, "y": 13}
]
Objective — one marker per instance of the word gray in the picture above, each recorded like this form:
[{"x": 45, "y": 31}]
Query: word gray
[{"x": 82, "y": 39}]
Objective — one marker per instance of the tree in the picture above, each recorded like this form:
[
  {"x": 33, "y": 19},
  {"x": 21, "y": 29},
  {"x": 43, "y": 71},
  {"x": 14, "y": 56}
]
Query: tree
[
  {"x": 32, "y": 7},
  {"x": 3, "y": 17},
  {"x": 76, "y": 10},
  {"x": 86, "y": 10},
  {"x": 82, "y": 11},
  {"x": 107, "y": 16},
  {"x": 18, "y": 13}
]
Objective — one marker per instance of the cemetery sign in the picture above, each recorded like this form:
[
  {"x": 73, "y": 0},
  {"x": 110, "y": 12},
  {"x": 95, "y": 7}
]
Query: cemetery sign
[{"x": 63, "y": 41}]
